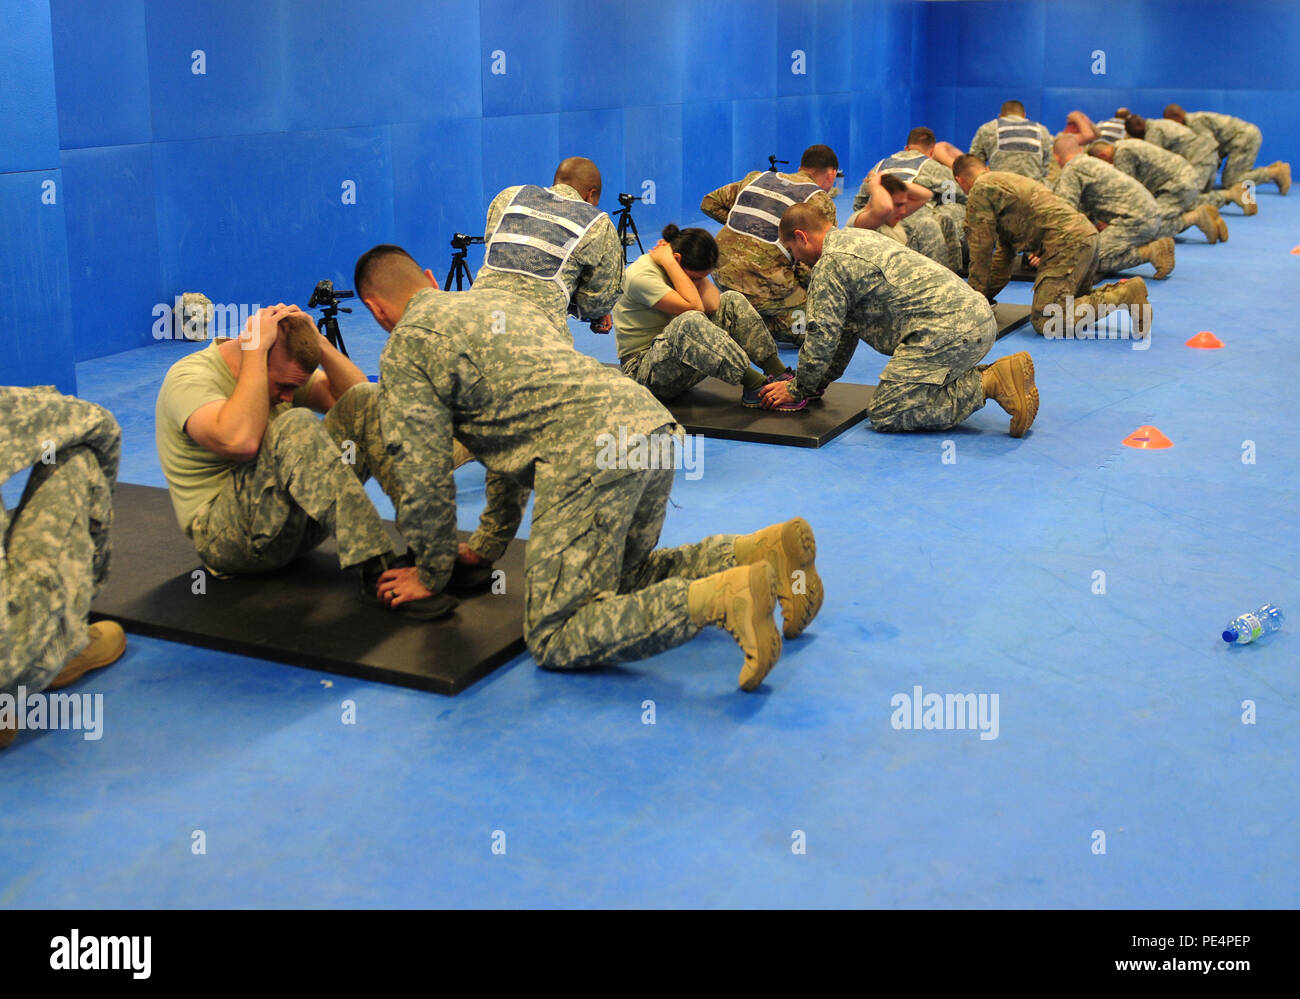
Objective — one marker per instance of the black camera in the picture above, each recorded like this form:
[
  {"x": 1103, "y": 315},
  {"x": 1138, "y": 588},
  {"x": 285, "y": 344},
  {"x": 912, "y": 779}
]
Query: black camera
[
  {"x": 326, "y": 297},
  {"x": 772, "y": 161},
  {"x": 462, "y": 242},
  {"x": 628, "y": 200}
]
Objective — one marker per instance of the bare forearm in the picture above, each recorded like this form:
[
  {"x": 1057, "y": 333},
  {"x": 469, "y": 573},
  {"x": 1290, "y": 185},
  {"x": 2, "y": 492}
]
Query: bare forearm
[
  {"x": 241, "y": 421},
  {"x": 341, "y": 371},
  {"x": 709, "y": 296},
  {"x": 683, "y": 285}
]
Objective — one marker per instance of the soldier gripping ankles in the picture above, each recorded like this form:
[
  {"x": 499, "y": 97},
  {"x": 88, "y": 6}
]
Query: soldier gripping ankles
[
  {"x": 597, "y": 591},
  {"x": 54, "y": 548},
  {"x": 1007, "y": 214},
  {"x": 1238, "y": 143},
  {"x": 935, "y": 329}
]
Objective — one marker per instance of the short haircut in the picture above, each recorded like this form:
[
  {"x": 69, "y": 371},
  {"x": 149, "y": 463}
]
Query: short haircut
[
  {"x": 920, "y": 136},
  {"x": 300, "y": 341},
  {"x": 802, "y": 216},
  {"x": 893, "y": 184},
  {"x": 819, "y": 157},
  {"x": 1136, "y": 126},
  {"x": 376, "y": 261},
  {"x": 1174, "y": 113},
  {"x": 579, "y": 173},
  {"x": 1122, "y": 113},
  {"x": 964, "y": 164},
  {"x": 1066, "y": 143},
  {"x": 1101, "y": 146},
  {"x": 1012, "y": 107}
]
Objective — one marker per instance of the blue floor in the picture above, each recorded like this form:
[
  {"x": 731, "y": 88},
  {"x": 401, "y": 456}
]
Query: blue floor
[{"x": 1119, "y": 712}]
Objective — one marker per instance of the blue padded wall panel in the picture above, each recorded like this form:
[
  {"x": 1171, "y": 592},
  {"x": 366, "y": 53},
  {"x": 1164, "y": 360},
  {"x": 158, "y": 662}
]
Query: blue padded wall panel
[
  {"x": 1150, "y": 102},
  {"x": 27, "y": 93},
  {"x": 594, "y": 69},
  {"x": 531, "y": 43},
  {"x": 101, "y": 68},
  {"x": 35, "y": 315},
  {"x": 597, "y": 135},
  {"x": 732, "y": 51},
  {"x": 112, "y": 247},
  {"x": 653, "y": 148},
  {"x": 832, "y": 72},
  {"x": 880, "y": 44},
  {"x": 797, "y": 128},
  {"x": 936, "y": 107},
  {"x": 521, "y": 149},
  {"x": 831, "y": 114},
  {"x": 1002, "y": 44},
  {"x": 1259, "y": 45},
  {"x": 1077, "y": 28},
  {"x": 706, "y": 152},
  {"x": 437, "y": 190},
  {"x": 260, "y": 219},
  {"x": 386, "y": 61},
  {"x": 755, "y": 136},
  {"x": 654, "y": 53},
  {"x": 243, "y": 89},
  {"x": 938, "y": 59},
  {"x": 796, "y": 31},
  {"x": 869, "y": 139},
  {"x": 1204, "y": 43}
]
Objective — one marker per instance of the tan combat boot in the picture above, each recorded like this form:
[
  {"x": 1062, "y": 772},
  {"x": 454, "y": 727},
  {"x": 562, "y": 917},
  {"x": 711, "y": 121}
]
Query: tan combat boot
[
  {"x": 1203, "y": 217},
  {"x": 790, "y": 549},
  {"x": 1280, "y": 174},
  {"x": 107, "y": 643},
  {"x": 1160, "y": 252},
  {"x": 1132, "y": 295},
  {"x": 1242, "y": 196},
  {"x": 1220, "y": 223},
  {"x": 1009, "y": 381},
  {"x": 742, "y": 601}
]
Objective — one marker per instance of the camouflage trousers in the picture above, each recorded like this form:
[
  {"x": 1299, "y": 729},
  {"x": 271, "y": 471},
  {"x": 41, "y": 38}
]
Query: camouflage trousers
[
  {"x": 56, "y": 556},
  {"x": 305, "y": 485},
  {"x": 925, "y": 236},
  {"x": 952, "y": 220},
  {"x": 1172, "y": 205},
  {"x": 780, "y": 315},
  {"x": 932, "y": 387},
  {"x": 1240, "y": 162},
  {"x": 1067, "y": 273},
  {"x": 694, "y": 346},
  {"x": 597, "y": 591},
  {"x": 1117, "y": 247}
]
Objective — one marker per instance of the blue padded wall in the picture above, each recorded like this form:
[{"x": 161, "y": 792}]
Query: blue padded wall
[{"x": 36, "y": 314}]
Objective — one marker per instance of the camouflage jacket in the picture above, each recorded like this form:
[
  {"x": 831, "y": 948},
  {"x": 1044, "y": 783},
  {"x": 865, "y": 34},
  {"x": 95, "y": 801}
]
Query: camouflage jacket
[
  {"x": 1158, "y": 170},
  {"x": 1103, "y": 193},
  {"x": 1224, "y": 129},
  {"x": 1001, "y": 157},
  {"x": 1196, "y": 148}
]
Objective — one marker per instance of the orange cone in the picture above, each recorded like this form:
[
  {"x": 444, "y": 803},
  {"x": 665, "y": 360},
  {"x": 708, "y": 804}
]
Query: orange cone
[
  {"x": 1205, "y": 340},
  {"x": 1295, "y": 251},
  {"x": 1148, "y": 438}
]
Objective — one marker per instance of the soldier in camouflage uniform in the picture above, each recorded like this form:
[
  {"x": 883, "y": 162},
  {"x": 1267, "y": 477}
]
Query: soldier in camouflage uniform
[
  {"x": 553, "y": 247},
  {"x": 596, "y": 589},
  {"x": 753, "y": 262},
  {"x": 1171, "y": 181},
  {"x": 54, "y": 548},
  {"x": 255, "y": 479},
  {"x": 1007, "y": 214},
  {"x": 934, "y": 329},
  {"x": 1238, "y": 143},
  {"x": 1012, "y": 143},
  {"x": 1118, "y": 205},
  {"x": 1198, "y": 150}
]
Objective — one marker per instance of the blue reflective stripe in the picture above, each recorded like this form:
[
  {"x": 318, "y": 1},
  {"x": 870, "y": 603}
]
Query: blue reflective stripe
[
  {"x": 1112, "y": 130},
  {"x": 1015, "y": 135},
  {"x": 904, "y": 165}
]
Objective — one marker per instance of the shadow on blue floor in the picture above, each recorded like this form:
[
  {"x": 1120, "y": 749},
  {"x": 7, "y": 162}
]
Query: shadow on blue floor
[{"x": 1119, "y": 712}]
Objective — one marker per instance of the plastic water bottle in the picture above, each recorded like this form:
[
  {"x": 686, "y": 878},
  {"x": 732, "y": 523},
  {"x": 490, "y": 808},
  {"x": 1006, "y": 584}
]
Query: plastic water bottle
[{"x": 1248, "y": 627}]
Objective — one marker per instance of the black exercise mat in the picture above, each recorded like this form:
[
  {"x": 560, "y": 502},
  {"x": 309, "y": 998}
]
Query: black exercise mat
[
  {"x": 307, "y": 614},
  {"x": 1010, "y": 317},
  {"x": 712, "y": 409}
]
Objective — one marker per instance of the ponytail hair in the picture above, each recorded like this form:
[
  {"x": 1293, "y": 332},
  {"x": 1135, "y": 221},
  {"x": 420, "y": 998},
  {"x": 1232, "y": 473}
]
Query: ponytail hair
[{"x": 697, "y": 247}]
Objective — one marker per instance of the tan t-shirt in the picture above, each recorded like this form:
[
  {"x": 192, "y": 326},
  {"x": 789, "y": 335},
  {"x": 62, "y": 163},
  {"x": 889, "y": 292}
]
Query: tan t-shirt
[
  {"x": 194, "y": 474},
  {"x": 636, "y": 321}
]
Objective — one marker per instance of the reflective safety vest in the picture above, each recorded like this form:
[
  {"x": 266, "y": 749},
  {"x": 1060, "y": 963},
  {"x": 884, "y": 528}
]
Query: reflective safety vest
[
  {"x": 1016, "y": 135},
  {"x": 905, "y": 165},
  {"x": 761, "y": 203},
  {"x": 538, "y": 233},
  {"x": 1112, "y": 129}
]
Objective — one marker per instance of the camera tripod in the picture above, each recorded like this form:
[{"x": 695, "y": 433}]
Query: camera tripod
[
  {"x": 626, "y": 224},
  {"x": 459, "y": 269},
  {"x": 772, "y": 161},
  {"x": 326, "y": 298}
]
